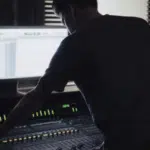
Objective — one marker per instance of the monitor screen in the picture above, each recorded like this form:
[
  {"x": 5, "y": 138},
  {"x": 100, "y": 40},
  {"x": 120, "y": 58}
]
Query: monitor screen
[{"x": 27, "y": 52}]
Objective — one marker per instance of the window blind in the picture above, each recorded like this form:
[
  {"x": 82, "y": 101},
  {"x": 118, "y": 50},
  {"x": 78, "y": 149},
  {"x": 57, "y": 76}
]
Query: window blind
[{"x": 50, "y": 18}]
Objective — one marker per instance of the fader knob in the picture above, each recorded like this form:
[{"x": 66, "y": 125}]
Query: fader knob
[
  {"x": 63, "y": 132},
  {"x": 50, "y": 134},
  {"x": 29, "y": 137},
  {"x": 10, "y": 140},
  {"x": 24, "y": 138},
  {"x": 15, "y": 140},
  {"x": 55, "y": 134},
  {"x": 45, "y": 135},
  {"x": 4, "y": 141},
  {"x": 34, "y": 137},
  {"x": 76, "y": 131},
  {"x": 20, "y": 139},
  {"x": 38, "y": 136},
  {"x": 59, "y": 133}
]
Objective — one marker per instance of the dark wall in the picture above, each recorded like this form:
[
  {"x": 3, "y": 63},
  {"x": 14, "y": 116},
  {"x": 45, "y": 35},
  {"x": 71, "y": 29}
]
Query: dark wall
[
  {"x": 21, "y": 12},
  {"x": 6, "y": 12},
  {"x": 30, "y": 12}
]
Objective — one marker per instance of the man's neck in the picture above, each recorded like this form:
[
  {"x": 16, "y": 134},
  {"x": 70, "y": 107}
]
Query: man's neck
[{"x": 86, "y": 19}]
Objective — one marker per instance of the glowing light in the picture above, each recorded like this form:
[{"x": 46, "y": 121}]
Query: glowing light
[
  {"x": 41, "y": 114},
  {"x": 45, "y": 135},
  {"x": 68, "y": 131},
  {"x": 65, "y": 106},
  {"x": 59, "y": 132},
  {"x": 76, "y": 109},
  {"x": 34, "y": 137},
  {"x": 37, "y": 114},
  {"x": 73, "y": 110},
  {"x": 76, "y": 130},
  {"x": 15, "y": 140},
  {"x": 4, "y": 117},
  {"x": 25, "y": 138},
  {"x": 55, "y": 133},
  {"x": 5, "y": 141},
  {"x": 1, "y": 119},
  {"x": 48, "y": 111},
  {"x": 33, "y": 115},
  {"x": 53, "y": 113},
  {"x": 44, "y": 113},
  {"x": 50, "y": 134}
]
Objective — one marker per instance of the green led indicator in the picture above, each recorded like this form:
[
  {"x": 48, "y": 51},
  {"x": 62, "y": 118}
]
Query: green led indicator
[
  {"x": 76, "y": 109},
  {"x": 53, "y": 113},
  {"x": 65, "y": 106},
  {"x": 41, "y": 114},
  {"x": 37, "y": 114},
  {"x": 33, "y": 115},
  {"x": 5, "y": 118},
  {"x": 73, "y": 110},
  {"x": 44, "y": 113},
  {"x": 48, "y": 111},
  {"x": 1, "y": 119}
]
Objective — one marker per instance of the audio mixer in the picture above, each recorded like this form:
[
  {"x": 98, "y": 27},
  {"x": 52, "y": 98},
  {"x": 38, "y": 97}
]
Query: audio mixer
[{"x": 63, "y": 123}]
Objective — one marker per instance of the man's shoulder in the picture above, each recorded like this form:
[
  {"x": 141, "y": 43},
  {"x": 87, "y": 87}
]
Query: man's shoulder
[
  {"x": 126, "y": 20},
  {"x": 69, "y": 45},
  {"x": 71, "y": 41}
]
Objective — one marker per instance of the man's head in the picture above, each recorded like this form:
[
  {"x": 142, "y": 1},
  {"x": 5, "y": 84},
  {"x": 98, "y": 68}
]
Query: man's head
[{"x": 75, "y": 12}]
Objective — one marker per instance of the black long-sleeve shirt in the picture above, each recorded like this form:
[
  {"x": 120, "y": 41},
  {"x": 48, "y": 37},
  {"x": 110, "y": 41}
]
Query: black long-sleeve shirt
[{"x": 109, "y": 60}]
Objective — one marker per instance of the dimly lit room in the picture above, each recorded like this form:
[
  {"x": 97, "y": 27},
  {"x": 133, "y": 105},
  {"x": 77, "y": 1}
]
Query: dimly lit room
[{"x": 74, "y": 75}]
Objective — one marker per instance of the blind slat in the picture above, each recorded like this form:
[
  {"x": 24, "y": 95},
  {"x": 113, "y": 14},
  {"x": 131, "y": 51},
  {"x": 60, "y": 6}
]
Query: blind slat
[{"x": 50, "y": 18}]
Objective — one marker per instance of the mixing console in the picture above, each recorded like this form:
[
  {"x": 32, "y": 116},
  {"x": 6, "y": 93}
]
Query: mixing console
[{"x": 66, "y": 125}]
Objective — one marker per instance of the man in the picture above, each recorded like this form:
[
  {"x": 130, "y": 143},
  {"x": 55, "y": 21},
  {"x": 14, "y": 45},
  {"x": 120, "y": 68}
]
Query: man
[{"x": 108, "y": 58}]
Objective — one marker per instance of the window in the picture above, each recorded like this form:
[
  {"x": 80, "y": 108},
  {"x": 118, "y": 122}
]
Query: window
[
  {"x": 27, "y": 52},
  {"x": 137, "y": 8}
]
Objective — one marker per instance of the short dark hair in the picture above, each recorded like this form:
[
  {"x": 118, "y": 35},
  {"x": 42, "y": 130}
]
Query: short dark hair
[{"x": 60, "y": 6}]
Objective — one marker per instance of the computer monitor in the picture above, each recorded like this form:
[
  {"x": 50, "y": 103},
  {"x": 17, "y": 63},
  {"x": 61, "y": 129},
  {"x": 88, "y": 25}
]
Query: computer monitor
[{"x": 27, "y": 52}]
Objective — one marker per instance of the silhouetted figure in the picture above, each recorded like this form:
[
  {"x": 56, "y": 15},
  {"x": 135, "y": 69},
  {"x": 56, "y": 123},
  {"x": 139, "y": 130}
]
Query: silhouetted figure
[{"x": 108, "y": 57}]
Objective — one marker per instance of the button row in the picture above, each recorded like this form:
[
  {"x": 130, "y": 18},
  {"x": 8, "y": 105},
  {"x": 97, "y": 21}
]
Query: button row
[{"x": 43, "y": 135}]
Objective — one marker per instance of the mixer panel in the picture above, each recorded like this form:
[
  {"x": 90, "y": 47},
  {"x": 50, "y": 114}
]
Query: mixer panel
[{"x": 64, "y": 123}]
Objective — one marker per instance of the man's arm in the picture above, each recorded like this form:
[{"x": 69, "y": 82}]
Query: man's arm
[
  {"x": 55, "y": 79},
  {"x": 22, "y": 111},
  {"x": 32, "y": 101}
]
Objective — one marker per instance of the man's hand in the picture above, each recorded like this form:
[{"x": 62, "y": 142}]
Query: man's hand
[{"x": 22, "y": 111}]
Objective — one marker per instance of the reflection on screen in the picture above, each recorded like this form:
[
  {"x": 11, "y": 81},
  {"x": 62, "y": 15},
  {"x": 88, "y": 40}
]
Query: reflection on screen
[{"x": 27, "y": 52}]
